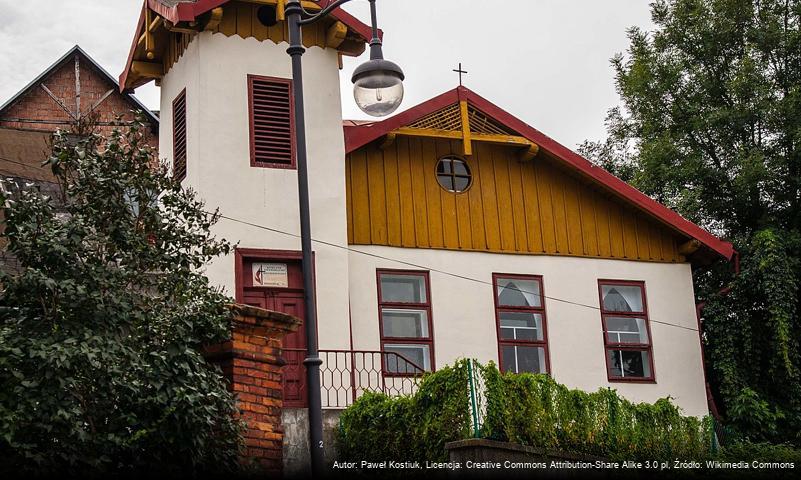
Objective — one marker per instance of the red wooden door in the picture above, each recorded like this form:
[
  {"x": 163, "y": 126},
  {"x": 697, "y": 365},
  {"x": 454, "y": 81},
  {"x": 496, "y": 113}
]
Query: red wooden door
[
  {"x": 287, "y": 300},
  {"x": 294, "y": 373}
]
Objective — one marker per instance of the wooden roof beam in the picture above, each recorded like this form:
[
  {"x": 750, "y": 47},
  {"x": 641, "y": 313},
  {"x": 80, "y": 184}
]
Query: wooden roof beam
[
  {"x": 467, "y": 145},
  {"x": 281, "y": 4},
  {"x": 528, "y": 154},
  {"x": 689, "y": 247},
  {"x": 215, "y": 18},
  {"x": 177, "y": 29},
  {"x": 389, "y": 140},
  {"x": 146, "y": 38},
  {"x": 147, "y": 69},
  {"x": 336, "y": 34},
  {"x": 510, "y": 140}
]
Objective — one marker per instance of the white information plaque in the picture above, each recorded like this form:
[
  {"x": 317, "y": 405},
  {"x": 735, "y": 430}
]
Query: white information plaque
[{"x": 270, "y": 275}]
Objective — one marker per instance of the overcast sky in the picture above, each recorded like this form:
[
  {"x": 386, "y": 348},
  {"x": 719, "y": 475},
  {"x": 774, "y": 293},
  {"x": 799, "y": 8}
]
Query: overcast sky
[{"x": 545, "y": 61}]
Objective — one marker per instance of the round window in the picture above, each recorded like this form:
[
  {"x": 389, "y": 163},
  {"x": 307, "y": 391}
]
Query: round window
[{"x": 453, "y": 174}]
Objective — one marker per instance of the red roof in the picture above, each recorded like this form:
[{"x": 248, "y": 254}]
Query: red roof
[{"x": 358, "y": 135}]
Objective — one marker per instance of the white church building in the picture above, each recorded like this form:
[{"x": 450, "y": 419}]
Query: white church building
[{"x": 450, "y": 230}]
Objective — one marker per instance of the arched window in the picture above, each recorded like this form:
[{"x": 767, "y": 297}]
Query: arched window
[
  {"x": 520, "y": 316},
  {"x": 626, "y": 331}
]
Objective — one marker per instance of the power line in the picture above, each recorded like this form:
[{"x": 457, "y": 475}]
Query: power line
[
  {"x": 426, "y": 267},
  {"x": 35, "y": 167}
]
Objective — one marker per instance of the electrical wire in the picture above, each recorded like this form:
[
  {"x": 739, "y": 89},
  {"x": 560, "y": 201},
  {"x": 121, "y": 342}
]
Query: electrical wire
[
  {"x": 425, "y": 267},
  {"x": 35, "y": 167},
  {"x": 408, "y": 264}
]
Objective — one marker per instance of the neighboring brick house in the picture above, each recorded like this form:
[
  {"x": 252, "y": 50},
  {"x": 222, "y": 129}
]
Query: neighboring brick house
[
  {"x": 74, "y": 86},
  {"x": 69, "y": 90}
]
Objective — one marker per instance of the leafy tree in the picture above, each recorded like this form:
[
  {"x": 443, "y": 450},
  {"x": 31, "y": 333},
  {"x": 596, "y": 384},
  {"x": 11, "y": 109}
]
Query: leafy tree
[
  {"x": 100, "y": 369},
  {"x": 710, "y": 124}
]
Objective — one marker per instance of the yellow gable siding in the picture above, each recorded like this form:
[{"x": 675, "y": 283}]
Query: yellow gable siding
[
  {"x": 239, "y": 18},
  {"x": 511, "y": 207}
]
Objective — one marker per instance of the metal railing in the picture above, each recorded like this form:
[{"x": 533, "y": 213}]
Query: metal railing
[{"x": 347, "y": 374}]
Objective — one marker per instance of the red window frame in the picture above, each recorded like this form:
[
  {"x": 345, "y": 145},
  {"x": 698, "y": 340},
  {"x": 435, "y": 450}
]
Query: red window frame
[
  {"x": 539, "y": 310},
  {"x": 627, "y": 346},
  {"x": 179, "y": 151},
  {"x": 405, "y": 305},
  {"x": 251, "y": 124}
]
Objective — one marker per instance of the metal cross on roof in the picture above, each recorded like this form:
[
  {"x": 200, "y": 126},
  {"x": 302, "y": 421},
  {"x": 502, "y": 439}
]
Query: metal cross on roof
[{"x": 460, "y": 72}]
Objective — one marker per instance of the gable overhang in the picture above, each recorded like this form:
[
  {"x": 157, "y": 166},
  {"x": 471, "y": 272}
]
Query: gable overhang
[
  {"x": 188, "y": 11},
  {"x": 359, "y": 134},
  {"x": 176, "y": 11},
  {"x": 77, "y": 50}
]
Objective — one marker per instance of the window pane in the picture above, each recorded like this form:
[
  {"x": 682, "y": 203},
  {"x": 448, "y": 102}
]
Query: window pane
[
  {"x": 459, "y": 168},
  {"x": 629, "y": 364},
  {"x": 622, "y": 298},
  {"x": 446, "y": 181},
  {"x": 521, "y": 326},
  {"x": 444, "y": 166},
  {"x": 516, "y": 292},
  {"x": 461, "y": 183},
  {"x": 417, "y": 354},
  {"x": 405, "y": 323},
  {"x": 508, "y": 360},
  {"x": 403, "y": 288},
  {"x": 520, "y": 359},
  {"x": 626, "y": 330}
]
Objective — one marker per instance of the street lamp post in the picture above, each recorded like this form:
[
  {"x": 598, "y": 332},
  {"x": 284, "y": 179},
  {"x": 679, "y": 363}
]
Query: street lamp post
[{"x": 378, "y": 91}]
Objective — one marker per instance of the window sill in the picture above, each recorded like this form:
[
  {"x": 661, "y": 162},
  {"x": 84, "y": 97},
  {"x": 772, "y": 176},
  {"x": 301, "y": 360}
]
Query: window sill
[
  {"x": 282, "y": 166},
  {"x": 630, "y": 380}
]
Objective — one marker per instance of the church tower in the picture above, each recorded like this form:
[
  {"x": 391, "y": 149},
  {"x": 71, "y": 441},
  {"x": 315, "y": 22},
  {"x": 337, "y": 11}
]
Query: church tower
[{"x": 227, "y": 131}]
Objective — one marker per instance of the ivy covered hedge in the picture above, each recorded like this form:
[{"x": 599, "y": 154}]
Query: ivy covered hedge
[
  {"x": 536, "y": 410},
  {"x": 414, "y": 427},
  {"x": 526, "y": 409}
]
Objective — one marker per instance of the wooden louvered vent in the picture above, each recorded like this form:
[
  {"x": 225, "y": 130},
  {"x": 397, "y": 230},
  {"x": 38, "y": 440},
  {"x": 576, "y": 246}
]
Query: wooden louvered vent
[
  {"x": 179, "y": 136},
  {"x": 271, "y": 123}
]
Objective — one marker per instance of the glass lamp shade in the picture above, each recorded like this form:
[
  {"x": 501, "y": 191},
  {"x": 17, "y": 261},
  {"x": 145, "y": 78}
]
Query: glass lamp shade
[{"x": 378, "y": 87}]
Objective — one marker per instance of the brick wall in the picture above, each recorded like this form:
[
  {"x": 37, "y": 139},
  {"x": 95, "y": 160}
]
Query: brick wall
[
  {"x": 41, "y": 112},
  {"x": 252, "y": 362}
]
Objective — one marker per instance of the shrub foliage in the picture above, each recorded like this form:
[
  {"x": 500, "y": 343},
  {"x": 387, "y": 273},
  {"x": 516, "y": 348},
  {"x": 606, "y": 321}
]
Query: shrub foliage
[
  {"x": 527, "y": 409},
  {"x": 536, "y": 410},
  {"x": 414, "y": 427},
  {"x": 99, "y": 331}
]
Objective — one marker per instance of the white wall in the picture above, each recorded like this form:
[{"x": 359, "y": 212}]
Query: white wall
[
  {"x": 464, "y": 317},
  {"x": 214, "y": 71}
]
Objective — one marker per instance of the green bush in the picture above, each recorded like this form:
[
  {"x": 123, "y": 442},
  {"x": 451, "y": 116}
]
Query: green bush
[
  {"x": 535, "y": 410},
  {"x": 760, "y": 452},
  {"x": 415, "y": 427},
  {"x": 100, "y": 329},
  {"x": 526, "y": 409}
]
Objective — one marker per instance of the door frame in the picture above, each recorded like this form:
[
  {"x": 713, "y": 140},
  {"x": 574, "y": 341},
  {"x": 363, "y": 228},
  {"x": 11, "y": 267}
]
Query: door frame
[
  {"x": 269, "y": 255},
  {"x": 261, "y": 254}
]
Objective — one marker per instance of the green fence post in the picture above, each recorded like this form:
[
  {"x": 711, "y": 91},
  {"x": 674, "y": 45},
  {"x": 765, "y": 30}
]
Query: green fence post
[
  {"x": 473, "y": 397},
  {"x": 714, "y": 440}
]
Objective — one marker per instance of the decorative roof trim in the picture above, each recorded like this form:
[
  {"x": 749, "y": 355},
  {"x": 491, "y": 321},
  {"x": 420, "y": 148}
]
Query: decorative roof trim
[
  {"x": 358, "y": 135},
  {"x": 189, "y": 11}
]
